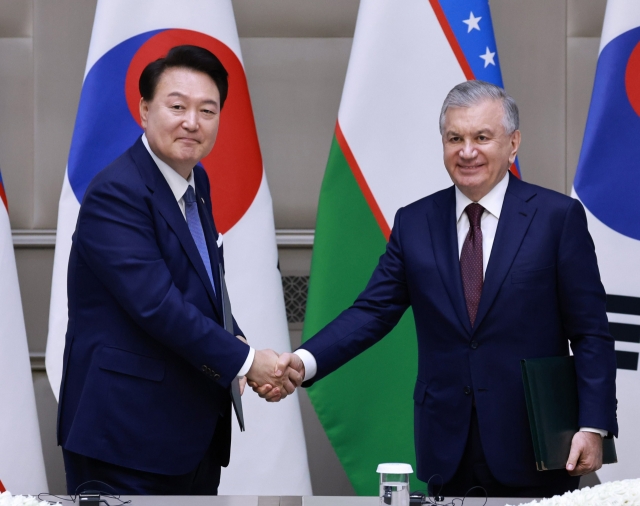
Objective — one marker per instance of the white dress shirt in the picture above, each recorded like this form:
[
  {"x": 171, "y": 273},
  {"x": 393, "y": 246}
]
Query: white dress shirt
[
  {"x": 492, "y": 203},
  {"x": 178, "y": 186}
]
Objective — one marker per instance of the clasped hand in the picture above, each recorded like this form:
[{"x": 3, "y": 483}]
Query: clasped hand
[{"x": 274, "y": 377}]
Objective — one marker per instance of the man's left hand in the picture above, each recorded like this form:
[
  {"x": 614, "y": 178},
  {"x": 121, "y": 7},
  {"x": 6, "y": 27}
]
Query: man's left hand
[{"x": 586, "y": 453}]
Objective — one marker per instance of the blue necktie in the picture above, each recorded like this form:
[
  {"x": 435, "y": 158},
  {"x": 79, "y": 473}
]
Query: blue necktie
[{"x": 195, "y": 227}]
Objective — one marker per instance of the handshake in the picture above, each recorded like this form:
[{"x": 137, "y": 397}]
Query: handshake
[{"x": 274, "y": 376}]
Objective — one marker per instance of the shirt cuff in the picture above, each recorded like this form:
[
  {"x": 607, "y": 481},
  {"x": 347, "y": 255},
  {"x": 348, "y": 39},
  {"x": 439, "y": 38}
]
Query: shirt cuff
[
  {"x": 247, "y": 363},
  {"x": 603, "y": 433},
  {"x": 310, "y": 364}
]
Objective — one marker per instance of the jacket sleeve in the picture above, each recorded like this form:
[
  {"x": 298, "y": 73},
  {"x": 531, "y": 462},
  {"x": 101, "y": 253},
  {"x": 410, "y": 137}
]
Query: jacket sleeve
[
  {"x": 371, "y": 317},
  {"x": 583, "y": 308}
]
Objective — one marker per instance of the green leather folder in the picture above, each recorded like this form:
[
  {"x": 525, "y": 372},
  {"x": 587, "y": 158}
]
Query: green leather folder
[{"x": 551, "y": 393}]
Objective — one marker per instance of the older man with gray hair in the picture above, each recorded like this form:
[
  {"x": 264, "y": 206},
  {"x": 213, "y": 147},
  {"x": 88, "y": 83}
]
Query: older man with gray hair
[{"x": 496, "y": 270}]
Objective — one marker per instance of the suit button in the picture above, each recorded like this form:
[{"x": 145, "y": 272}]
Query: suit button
[
  {"x": 467, "y": 390},
  {"x": 216, "y": 376},
  {"x": 474, "y": 344},
  {"x": 204, "y": 368}
]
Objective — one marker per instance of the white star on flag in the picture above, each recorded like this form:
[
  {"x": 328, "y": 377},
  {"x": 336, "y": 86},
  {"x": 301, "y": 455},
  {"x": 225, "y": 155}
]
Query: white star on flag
[
  {"x": 488, "y": 58},
  {"x": 472, "y": 22}
]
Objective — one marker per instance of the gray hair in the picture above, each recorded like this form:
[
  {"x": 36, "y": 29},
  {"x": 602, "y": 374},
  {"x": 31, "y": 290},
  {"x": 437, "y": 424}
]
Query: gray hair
[{"x": 470, "y": 93}]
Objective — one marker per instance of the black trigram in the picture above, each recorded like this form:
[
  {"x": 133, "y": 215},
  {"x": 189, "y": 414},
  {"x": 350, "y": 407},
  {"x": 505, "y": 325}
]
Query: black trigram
[{"x": 625, "y": 332}]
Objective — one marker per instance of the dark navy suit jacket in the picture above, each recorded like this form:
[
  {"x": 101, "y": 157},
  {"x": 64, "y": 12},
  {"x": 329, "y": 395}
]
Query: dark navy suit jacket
[
  {"x": 542, "y": 290},
  {"x": 147, "y": 364}
]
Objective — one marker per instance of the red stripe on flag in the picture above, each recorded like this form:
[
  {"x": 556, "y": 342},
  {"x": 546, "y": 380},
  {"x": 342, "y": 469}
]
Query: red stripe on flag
[
  {"x": 3, "y": 197},
  {"x": 2, "y": 489},
  {"x": 514, "y": 170},
  {"x": 453, "y": 42},
  {"x": 362, "y": 182}
]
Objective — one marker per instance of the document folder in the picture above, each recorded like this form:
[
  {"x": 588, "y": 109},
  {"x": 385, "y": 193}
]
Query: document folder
[
  {"x": 227, "y": 317},
  {"x": 551, "y": 393}
]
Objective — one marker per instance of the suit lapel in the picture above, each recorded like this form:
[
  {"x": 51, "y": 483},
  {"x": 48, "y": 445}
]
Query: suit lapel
[
  {"x": 515, "y": 218},
  {"x": 444, "y": 237},
  {"x": 166, "y": 204}
]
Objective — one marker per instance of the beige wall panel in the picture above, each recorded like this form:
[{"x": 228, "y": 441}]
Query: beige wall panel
[
  {"x": 531, "y": 39},
  {"x": 295, "y": 261},
  {"x": 16, "y": 128},
  {"x": 582, "y": 57},
  {"x": 295, "y": 86},
  {"x": 295, "y": 18},
  {"x": 15, "y": 18},
  {"x": 35, "y": 267},
  {"x": 62, "y": 32},
  {"x": 585, "y": 17}
]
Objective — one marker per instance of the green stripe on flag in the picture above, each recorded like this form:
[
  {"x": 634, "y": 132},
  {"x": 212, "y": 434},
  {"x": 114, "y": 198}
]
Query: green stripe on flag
[{"x": 366, "y": 406}]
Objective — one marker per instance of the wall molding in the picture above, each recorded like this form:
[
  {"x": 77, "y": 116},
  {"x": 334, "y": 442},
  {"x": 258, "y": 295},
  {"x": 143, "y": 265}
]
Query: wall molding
[
  {"x": 37, "y": 361},
  {"x": 43, "y": 238},
  {"x": 46, "y": 238}
]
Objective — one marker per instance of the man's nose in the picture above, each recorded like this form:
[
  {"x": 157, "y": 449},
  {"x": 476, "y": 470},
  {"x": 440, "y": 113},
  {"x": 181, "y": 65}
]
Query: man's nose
[
  {"x": 468, "y": 150},
  {"x": 190, "y": 120}
]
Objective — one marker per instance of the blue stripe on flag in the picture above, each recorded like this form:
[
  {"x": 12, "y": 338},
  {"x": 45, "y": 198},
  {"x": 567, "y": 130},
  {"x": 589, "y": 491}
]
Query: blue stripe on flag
[
  {"x": 104, "y": 126},
  {"x": 471, "y": 24}
]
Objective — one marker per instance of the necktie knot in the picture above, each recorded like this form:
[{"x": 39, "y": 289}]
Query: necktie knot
[
  {"x": 474, "y": 212},
  {"x": 189, "y": 196}
]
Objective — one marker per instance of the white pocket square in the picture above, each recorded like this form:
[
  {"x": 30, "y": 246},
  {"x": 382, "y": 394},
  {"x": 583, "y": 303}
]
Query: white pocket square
[{"x": 219, "y": 241}]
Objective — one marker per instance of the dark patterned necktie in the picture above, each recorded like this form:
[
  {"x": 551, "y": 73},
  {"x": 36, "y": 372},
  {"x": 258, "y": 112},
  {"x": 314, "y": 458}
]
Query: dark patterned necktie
[{"x": 471, "y": 261}]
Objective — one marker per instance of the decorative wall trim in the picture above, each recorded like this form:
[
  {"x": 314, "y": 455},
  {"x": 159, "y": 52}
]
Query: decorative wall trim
[
  {"x": 295, "y": 237},
  {"x": 46, "y": 238},
  {"x": 37, "y": 361}
]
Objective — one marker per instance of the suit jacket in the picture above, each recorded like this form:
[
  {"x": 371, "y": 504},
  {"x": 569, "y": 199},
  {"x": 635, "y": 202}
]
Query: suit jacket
[
  {"x": 542, "y": 290},
  {"x": 147, "y": 362}
]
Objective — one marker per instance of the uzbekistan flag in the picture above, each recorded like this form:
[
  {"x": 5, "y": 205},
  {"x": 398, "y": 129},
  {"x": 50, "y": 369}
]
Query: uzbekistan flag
[
  {"x": 21, "y": 460},
  {"x": 386, "y": 153},
  {"x": 607, "y": 182},
  {"x": 126, "y": 37}
]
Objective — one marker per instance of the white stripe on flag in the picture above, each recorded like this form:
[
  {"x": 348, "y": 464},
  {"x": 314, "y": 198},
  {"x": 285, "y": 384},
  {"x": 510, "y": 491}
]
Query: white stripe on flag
[
  {"x": 274, "y": 434},
  {"x": 21, "y": 461},
  {"x": 400, "y": 71}
]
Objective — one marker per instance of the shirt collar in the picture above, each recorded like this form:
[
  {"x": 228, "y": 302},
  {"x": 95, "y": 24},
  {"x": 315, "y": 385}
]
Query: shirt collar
[
  {"x": 492, "y": 201},
  {"x": 176, "y": 182}
]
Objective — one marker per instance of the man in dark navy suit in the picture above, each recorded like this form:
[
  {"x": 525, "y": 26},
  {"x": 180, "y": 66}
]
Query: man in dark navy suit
[
  {"x": 145, "y": 397},
  {"x": 496, "y": 270}
]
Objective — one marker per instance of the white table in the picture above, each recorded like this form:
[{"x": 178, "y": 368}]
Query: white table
[{"x": 252, "y": 500}]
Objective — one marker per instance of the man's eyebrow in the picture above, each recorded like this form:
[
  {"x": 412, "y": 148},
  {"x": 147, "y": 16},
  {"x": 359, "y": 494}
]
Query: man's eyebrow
[{"x": 182, "y": 95}]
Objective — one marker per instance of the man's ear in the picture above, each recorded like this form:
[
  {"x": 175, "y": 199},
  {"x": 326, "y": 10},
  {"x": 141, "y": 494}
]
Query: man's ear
[
  {"x": 515, "y": 144},
  {"x": 144, "y": 112}
]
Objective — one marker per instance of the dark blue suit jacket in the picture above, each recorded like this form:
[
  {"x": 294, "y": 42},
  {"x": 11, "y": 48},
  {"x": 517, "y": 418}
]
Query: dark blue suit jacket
[
  {"x": 147, "y": 364},
  {"x": 542, "y": 290}
]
